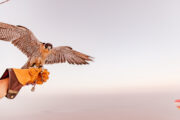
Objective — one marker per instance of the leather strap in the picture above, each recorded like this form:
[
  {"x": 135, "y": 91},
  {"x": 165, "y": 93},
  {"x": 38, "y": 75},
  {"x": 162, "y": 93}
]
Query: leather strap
[{"x": 14, "y": 85}]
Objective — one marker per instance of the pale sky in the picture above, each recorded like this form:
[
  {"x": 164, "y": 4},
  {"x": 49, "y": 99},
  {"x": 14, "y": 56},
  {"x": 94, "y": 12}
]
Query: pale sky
[
  {"x": 135, "y": 43},
  {"x": 136, "y": 70}
]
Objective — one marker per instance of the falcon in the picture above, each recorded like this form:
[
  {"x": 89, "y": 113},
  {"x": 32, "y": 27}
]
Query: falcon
[{"x": 39, "y": 53}]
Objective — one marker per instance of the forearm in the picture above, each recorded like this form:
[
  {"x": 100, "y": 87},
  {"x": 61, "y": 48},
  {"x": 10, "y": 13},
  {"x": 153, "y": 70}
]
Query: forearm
[{"x": 3, "y": 87}]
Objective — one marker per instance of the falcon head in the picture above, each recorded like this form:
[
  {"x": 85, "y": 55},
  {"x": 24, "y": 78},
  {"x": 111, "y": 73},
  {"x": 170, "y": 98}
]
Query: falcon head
[{"x": 48, "y": 46}]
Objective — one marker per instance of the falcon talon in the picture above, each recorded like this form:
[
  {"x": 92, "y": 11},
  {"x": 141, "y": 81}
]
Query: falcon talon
[{"x": 42, "y": 68}]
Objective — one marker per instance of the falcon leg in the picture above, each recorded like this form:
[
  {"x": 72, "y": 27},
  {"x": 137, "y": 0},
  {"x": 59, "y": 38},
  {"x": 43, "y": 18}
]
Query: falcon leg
[{"x": 42, "y": 70}]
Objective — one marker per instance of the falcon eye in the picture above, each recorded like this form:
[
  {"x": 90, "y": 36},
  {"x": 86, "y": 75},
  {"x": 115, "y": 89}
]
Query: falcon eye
[{"x": 46, "y": 46}]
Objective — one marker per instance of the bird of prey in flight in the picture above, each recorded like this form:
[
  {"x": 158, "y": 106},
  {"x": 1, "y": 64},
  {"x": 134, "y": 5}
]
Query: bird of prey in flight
[{"x": 39, "y": 53}]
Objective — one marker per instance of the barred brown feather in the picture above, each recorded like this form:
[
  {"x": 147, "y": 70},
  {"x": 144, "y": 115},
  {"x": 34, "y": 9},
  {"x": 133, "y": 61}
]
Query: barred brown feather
[
  {"x": 67, "y": 54},
  {"x": 21, "y": 37}
]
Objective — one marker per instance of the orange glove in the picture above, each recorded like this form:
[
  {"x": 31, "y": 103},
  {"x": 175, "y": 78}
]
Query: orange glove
[{"x": 31, "y": 75}]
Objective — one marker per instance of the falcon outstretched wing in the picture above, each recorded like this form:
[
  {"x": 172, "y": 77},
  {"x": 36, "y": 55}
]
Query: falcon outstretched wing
[
  {"x": 21, "y": 37},
  {"x": 65, "y": 53}
]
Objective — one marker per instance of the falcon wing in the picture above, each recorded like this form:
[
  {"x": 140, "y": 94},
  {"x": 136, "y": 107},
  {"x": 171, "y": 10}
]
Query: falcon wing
[
  {"x": 65, "y": 53},
  {"x": 21, "y": 37}
]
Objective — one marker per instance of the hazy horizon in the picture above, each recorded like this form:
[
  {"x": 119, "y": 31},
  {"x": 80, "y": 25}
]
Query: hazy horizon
[{"x": 139, "y": 106}]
